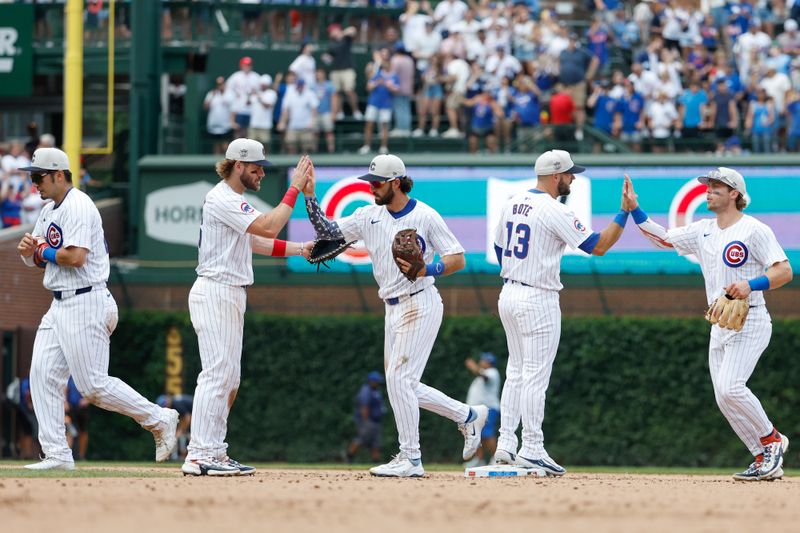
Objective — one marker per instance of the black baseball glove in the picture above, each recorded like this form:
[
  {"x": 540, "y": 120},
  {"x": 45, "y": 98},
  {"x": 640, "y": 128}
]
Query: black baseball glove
[{"x": 325, "y": 250}]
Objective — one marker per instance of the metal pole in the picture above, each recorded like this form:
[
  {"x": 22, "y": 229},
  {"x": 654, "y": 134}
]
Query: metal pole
[{"x": 73, "y": 87}]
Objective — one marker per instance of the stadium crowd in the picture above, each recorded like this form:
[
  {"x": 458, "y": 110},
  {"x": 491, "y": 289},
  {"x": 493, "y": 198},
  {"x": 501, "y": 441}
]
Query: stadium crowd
[{"x": 657, "y": 75}]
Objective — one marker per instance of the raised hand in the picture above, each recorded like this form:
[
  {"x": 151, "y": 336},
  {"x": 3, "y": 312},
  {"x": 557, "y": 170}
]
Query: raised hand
[
  {"x": 300, "y": 175},
  {"x": 629, "y": 197},
  {"x": 311, "y": 184}
]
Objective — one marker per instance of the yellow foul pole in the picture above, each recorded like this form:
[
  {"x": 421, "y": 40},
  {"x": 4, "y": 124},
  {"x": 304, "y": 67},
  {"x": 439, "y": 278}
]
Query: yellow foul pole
[{"x": 73, "y": 87}]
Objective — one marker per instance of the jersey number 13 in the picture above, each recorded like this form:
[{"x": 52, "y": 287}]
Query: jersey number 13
[{"x": 519, "y": 248}]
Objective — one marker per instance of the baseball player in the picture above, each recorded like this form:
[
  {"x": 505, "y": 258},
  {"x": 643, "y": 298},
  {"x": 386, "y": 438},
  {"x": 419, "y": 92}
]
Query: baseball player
[
  {"x": 533, "y": 231},
  {"x": 73, "y": 337},
  {"x": 413, "y": 309},
  {"x": 739, "y": 256},
  {"x": 230, "y": 231}
]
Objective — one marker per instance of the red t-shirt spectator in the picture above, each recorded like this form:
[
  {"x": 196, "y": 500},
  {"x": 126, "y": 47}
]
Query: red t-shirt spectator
[{"x": 561, "y": 108}]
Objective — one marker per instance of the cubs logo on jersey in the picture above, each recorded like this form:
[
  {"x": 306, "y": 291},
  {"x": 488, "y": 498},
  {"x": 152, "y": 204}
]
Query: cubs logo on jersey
[
  {"x": 578, "y": 226},
  {"x": 55, "y": 236},
  {"x": 246, "y": 208},
  {"x": 421, "y": 242},
  {"x": 735, "y": 254}
]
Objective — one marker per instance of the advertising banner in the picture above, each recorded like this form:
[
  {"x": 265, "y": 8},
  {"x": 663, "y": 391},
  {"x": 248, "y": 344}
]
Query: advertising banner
[{"x": 16, "y": 50}]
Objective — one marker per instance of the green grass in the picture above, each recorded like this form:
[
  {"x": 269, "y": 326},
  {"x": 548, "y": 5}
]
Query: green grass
[{"x": 109, "y": 469}]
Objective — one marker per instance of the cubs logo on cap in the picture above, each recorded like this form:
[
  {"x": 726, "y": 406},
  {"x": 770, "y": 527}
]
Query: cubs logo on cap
[
  {"x": 248, "y": 151},
  {"x": 556, "y": 162},
  {"x": 385, "y": 167},
  {"x": 47, "y": 160}
]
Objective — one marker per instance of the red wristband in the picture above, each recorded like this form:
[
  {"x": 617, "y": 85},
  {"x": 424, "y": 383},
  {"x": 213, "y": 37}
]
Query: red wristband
[
  {"x": 278, "y": 248},
  {"x": 291, "y": 196}
]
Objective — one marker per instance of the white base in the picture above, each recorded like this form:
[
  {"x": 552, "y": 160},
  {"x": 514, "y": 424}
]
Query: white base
[{"x": 503, "y": 471}]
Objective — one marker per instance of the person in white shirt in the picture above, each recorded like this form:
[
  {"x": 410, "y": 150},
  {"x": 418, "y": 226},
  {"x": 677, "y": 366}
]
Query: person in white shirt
[
  {"x": 457, "y": 73},
  {"x": 231, "y": 230},
  {"x": 238, "y": 88},
  {"x": 448, "y": 13},
  {"x": 502, "y": 65},
  {"x": 262, "y": 105},
  {"x": 299, "y": 118},
  {"x": 305, "y": 66},
  {"x": 754, "y": 41},
  {"x": 413, "y": 22},
  {"x": 777, "y": 85},
  {"x": 413, "y": 306},
  {"x": 426, "y": 46},
  {"x": 485, "y": 390},
  {"x": 741, "y": 258},
  {"x": 662, "y": 116}
]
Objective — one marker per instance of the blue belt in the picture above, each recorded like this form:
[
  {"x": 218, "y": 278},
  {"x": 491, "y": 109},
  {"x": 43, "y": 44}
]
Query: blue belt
[
  {"x": 396, "y": 300},
  {"x": 58, "y": 294},
  {"x": 506, "y": 280}
]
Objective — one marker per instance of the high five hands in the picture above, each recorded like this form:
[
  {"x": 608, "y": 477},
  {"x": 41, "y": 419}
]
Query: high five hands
[{"x": 629, "y": 197}]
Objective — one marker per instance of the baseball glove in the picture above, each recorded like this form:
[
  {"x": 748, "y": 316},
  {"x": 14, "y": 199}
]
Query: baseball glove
[
  {"x": 728, "y": 312},
  {"x": 406, "y": 247},
  {"x": 325, "y": 250},
  {"x": 38, "y": 260}
]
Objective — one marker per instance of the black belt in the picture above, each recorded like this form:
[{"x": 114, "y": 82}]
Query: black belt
[
  {"x": 58, "y": 294},
  {"x": 396, "y": 300},
  {"x": 506, "y": 280}
]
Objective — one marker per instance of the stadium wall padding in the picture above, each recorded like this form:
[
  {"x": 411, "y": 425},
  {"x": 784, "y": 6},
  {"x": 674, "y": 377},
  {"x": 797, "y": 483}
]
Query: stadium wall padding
[{"x": 624, "y": 391}]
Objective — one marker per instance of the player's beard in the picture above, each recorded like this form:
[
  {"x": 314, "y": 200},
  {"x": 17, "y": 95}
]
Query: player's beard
[
  {"x": 250, "y": 182},
  {"x": 563, "y": 186},
  {"x": 386, "y": 199}
]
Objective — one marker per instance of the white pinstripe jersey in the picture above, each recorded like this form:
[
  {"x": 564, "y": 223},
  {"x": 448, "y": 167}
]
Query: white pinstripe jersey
[
  {"x": 533, "y": 231},
  {"x": 225, "y": 249},
  {"x": 377, "y": 226},
  {"x": 742, "y": 251},
  {"x": 74, "y": 222}
]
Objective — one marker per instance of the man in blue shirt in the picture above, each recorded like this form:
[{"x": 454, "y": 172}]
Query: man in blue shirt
[
  {"x": 693, "y": 104},
  {"x": 382, "y": 85},
  {"x": 526, "y": 113},
  {"x": 576, "y": 67},
  {"x": 630, "y": 108},
  {"x": 369, "y": 412}
]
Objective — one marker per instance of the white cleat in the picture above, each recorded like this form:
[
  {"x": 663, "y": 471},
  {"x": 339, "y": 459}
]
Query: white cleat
[
  {"x": 546, "y": 463},
  {"x": 51, "y": 463},
  {"x": 502, "y": 457},
  {"x": 208, "y": 467},
  {"x": 166, "y": 439},
  {"x": 773, "y": 458},
  {"x": 472, "y": 431},
  {"x": 399, "y": 466}
]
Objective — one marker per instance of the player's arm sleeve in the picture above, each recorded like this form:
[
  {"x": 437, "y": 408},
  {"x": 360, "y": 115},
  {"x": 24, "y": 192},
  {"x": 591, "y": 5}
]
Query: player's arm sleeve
[
  {"x": 234, "y": 212},
  {"x": 442, "y": 239},
  {"x": 766, "y": 249},
  {"x": 571, "y": 230},
  {"x": 659, "y": 236}
]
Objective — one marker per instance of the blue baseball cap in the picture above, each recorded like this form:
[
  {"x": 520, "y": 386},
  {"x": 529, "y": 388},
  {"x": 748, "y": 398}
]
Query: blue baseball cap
[
  {"x": 489, "y": 357},
  {"x": 375, "y": 376}
]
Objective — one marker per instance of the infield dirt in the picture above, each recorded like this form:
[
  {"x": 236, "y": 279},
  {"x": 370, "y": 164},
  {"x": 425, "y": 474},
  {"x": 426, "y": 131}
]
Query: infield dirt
[{"x": 347, "y": 501}]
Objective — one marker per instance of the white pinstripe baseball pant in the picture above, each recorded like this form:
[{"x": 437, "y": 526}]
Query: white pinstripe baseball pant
[
  {"x": 73, "y": 338},
  {"x": 409, "y": 333},
  {"x": 732, "y": 357},
  {"x": 217, "y": 313},
  {"x": 532, "y": 321}
]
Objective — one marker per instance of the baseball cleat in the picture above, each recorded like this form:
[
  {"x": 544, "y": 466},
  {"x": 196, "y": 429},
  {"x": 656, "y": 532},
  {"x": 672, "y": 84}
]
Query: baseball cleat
[
  {"x": 773, "y": 457},
  {"x": 399, "y": 466},
  {"x": 774, "y": 477},
  {"x": 546, "y": 463},
  {"x": 208, "y": 467},
  {"x": 502, "y": 457},
  {"x": 472, "y": 431},
  {"x": 750, "y": 473},
  {"x": 244, "y": 470},
  {"x": 51, "y": 463},
  {"x": 166, "y": 439}
]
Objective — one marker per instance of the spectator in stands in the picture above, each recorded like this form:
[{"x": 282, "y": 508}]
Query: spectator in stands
[
  {"x": 630, "y": 113},
  {"x": 430, "y": 98},
  {"x": 325, "y": 92},
  {"x": 693, "y": 106},
  {"x": 78, "y": 412},
  {"x": 343, "y": 74},
  {"x": 252, "y": 28},
  {"x": 504, "y": 96},
  {"x": 605, "y": 108},
  {"x": 262, "y": 106},
  {"x": 724, "y": 113},
  {"x": 219, "y": 123},
  {"x": 426, "y": 46},
  {"x": 777, "y": 86},
  {"x": 382, "y": 86},
  {"x": 402, "y": 66},
  {"x": 448, "y": 13},
  {"x": 789, "y": 40},
  {"x": 304, "y": 65},
  {"x": 793, "y": 122},
  {"x": 760, "y": 122},
  {"x": 478, "y": 49},
  {"x": 576, "y": 67},
  {"x": 413, "y": 21},
  {"x": 662, "y": 117},
  {"x": 501, "y": 65},
  {"x": 482, "y": 124},
  {"x": 645, "y": 82},
  {"x": 752, "y": 44},
  {"x": 238, "y": 88},
  {"x": 598, "y": 36},
  {"x": 524, "y": 36},
  {"x": 12, "y": 185},
  {"x": 457, "y": 73},
  {"x": 709, "y": 34},
  {"x": 698, "y": 64},
  {"x": 526, "y": 113},
  {"x": 643, "y": 17},
  {"x": 454, "y": 44},
  {"x": 562, "y": 113},
  {"x": 299, "y": 118}
]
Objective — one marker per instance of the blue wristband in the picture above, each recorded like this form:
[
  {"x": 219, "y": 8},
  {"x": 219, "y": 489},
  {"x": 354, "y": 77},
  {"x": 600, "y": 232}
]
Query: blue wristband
[
  {"x": 621, "y": 218},
  {"x": 761, "y": 283},
  {"x": 434, "y": 269},
  {"x": 638, "y": 215},
  {"x": 49, "y": 254}
]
